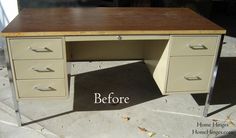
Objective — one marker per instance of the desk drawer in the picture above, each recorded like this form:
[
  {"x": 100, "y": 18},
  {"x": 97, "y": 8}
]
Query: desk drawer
[
  {"x": 189, "y": 73},
  {"x": 41, "y": 88},
  {"x": 33, "y": 48},
  {"x": 32, "y": 69},
  {"x": 193, "y": 45}
]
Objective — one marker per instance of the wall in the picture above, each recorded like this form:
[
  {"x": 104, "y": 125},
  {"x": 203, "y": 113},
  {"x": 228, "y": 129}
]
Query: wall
[{"x": 8, "y": 10}]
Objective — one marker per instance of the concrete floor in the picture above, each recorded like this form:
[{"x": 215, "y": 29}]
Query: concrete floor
[{"x": 173, "y": 116}]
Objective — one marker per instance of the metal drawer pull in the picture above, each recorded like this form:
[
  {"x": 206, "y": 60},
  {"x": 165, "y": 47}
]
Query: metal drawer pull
[
  {"x": 44, "y": 89},
  {"x": 198, "y": 47},
  {"x": 119, "y": 37},
  {"x": 43, "y": 70},
  {"x": 195, "y": 78},
  {"x": 44, "y": 49}
]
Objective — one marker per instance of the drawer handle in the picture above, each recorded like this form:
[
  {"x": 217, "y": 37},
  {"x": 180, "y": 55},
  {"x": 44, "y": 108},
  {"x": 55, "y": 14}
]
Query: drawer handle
[
  {"x": 43, "y": 70},
  {"x": 198, "y": 47},
  {"x": 195, "y": 78},
  {"x": 119, "y": 37},
  {"x": 44, "y": 89},
  {"x": 44, "y": 49}
]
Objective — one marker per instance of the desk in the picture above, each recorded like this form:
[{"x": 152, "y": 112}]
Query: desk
[{"x": 180, "y": 48}]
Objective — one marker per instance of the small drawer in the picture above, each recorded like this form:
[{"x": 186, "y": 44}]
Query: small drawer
[
  {"x": 36, "y": 48},
  {"x": 189, "y": 73},
  {"x": 32, "y": 69},
  {"x": 193, "y": 45},
  {"x": 41, "y": 88}
]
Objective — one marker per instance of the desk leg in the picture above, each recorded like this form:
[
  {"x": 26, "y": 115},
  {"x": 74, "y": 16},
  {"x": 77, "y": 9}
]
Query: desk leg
[
  {"x": 15, "y": 101},
  {"x": 209, "y": 95}
]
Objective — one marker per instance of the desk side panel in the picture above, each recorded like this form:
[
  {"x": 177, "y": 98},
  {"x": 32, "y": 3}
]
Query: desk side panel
[
  {"x": 12, "y": 69},
  {"x": 156, "y": 57}
]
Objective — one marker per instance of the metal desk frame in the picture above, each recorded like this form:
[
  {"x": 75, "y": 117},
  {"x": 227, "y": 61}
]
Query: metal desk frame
[{"x": 16, "y": 102}]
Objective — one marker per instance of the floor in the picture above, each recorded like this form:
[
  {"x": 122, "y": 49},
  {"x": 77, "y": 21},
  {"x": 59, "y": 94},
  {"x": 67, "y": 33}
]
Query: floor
[{"x": 149, "y": 114}]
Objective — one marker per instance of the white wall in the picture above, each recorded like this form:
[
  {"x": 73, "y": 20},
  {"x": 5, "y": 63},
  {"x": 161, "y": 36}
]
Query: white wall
[{"x": 8, "y": 11}]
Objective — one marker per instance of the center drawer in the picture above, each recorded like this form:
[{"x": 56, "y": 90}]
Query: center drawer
[
  {"x": 36, "y": 48},
  {"x": 189, "y": 74},
  {"x": 32, "y": 69}
]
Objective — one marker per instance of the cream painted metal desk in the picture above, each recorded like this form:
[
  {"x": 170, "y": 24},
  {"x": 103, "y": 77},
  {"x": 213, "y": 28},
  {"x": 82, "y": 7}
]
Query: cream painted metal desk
[{"x": 180, "y": 48}]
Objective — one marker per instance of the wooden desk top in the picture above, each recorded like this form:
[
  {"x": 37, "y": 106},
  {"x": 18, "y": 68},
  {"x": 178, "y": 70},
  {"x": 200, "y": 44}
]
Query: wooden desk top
[{"x": 109, "y": 21}]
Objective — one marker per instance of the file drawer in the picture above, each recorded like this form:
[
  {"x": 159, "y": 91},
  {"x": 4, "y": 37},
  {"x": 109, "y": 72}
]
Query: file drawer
[
  {"x": 36, "y": 48},
  {"x": 193, "y": 45},
  {"x": 189, "y": 73},
  {"x": 41, "y": 88},
  {"x": 32, "y": 69}
]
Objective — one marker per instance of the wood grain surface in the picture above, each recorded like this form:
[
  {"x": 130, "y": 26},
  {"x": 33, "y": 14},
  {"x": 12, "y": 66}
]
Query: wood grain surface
[{"x": 107, "y": 21}]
